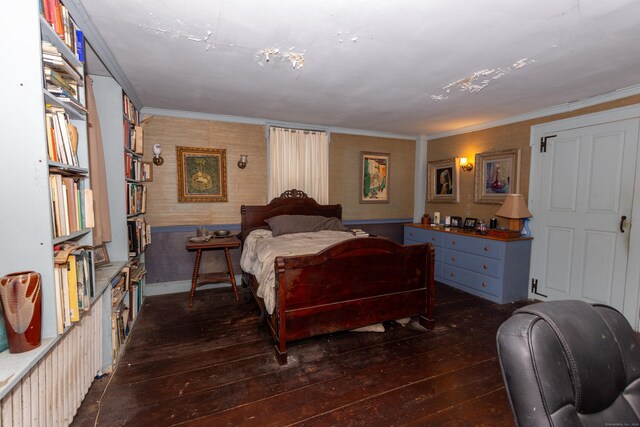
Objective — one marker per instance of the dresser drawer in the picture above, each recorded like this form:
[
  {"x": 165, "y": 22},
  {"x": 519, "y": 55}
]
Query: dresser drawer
[
  {"x": 479, "y": 264},
  {"x": 480, "y": 282},
  {"x": 473, "y": 245},
  {"x": 424, "y": 236}
]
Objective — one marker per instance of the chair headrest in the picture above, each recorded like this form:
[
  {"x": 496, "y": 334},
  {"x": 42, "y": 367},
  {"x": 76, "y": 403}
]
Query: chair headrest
[{"x": 596, "y": 366}]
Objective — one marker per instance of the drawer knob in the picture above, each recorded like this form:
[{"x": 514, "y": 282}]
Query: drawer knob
[
  {"x": 486, "y": 249},
  {"x": 453, "y": 259},
  {"x": 453, "y": 274},
  {"x": 453, "y": 242},
  {"x": 433, "y": 239},
  {"x": 484, "y": 267},
  {"x": 484, "y": 285}
]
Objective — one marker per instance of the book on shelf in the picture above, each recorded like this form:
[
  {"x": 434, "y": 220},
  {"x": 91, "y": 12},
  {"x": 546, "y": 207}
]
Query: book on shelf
[
  {"x": 80, "y": 45},
  {"x": 139, "y": 235},
  {"x": 68, "y": 205},
  {"x": 138, "y": 140},
  {"x": 72, "y": 275},
  {"x": 62, "y": 137},
  {"x": 57, "y": 280},
  {"x": 57, "y": 15},
  {"x": 53, "y": 59}
]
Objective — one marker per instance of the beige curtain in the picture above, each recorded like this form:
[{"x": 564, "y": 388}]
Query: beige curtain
[
  {"x": 298, "y": 159},
  {"x": 102, "y": 229}
]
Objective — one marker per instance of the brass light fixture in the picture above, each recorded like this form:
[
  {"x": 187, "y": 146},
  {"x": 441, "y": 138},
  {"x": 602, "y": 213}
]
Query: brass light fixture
[{"x": 465, "y": 165}]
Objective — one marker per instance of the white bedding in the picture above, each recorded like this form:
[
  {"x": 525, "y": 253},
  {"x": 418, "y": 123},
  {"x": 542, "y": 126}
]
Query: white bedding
[{"x": 261, "y": 249}]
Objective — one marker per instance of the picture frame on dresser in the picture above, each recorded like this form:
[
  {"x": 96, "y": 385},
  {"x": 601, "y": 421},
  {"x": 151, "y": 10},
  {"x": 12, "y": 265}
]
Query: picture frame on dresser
[
  {"x": 456, "y": 221},
  {"x": 497, "y": 174},
  {"x": 202, "y": 174},
  {"x": 374, "y": 177},
  {"x": 442, "y": 181},
  {"x": 469, "y": 223}
]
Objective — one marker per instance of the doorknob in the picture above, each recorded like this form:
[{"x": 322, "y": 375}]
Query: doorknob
[{"x": 622, "y": 220}]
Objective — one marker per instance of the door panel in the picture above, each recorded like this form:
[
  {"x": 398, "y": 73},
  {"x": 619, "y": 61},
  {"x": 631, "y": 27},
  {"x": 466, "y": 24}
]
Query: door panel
[
  {"x": 563, "y": 183},
  {"x": 599, "y": 265},
  {"x": 559, "y": 250},
  {"x": 604, "y": 185}
]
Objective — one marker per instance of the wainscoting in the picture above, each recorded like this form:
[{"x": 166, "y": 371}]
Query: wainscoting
[{"x": 170, "y": 266}]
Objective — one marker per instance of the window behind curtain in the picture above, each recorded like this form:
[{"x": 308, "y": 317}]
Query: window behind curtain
[{"x": 298, "y": 159}]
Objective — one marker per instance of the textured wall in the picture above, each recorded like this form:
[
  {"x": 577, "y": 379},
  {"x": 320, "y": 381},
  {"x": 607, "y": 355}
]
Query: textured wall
[
  {"x": 344, "y": 184},
  {"x": 498, "y": 138},
  {"x": 244, "y": 186},
  {"x": 248, "y": 186}
]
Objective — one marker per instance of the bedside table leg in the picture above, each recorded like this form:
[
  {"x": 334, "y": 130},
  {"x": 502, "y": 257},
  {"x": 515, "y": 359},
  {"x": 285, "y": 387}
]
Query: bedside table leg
[
  {"x": 227, "y": 255},
  {"x": 194, "y": 278}
]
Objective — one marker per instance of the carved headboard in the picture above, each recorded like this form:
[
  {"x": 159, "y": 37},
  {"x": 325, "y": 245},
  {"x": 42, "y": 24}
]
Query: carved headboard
[{"x": 291, "y": 202}]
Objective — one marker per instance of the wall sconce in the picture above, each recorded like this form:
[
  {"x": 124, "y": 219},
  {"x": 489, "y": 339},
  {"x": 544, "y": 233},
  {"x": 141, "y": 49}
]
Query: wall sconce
[
  {"x": 157, "y": 158},
  {"x": 465, "y": 165},
  {"x": 242, "y": 163}
]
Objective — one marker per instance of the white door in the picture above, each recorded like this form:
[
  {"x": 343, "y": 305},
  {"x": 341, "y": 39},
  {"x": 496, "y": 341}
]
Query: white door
[{"x": 582, "y": 210}]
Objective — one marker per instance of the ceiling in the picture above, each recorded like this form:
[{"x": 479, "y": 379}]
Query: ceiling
[{"x": 404, "y": 67}]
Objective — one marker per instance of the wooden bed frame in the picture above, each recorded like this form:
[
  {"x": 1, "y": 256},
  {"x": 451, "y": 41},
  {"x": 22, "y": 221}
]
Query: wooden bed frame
[{"x": 351, "y": 284}]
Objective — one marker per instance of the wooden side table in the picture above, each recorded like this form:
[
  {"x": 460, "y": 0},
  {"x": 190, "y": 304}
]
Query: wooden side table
[{"x": 214, "y": 277}]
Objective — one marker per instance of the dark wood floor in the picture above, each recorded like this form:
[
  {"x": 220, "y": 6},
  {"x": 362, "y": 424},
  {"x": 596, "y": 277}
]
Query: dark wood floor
[{"x": 211, "y": 366}]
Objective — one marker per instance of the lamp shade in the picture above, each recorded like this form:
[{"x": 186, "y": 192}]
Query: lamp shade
[{"x": 514, "y": 207}]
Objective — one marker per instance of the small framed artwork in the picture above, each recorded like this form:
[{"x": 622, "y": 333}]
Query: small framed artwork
[
  {"x": 456, "y": 221},
  {"x": 469, "y": 223},
  {"x": 374, "y": 177},
  {"x": 497, "y": 174},
  {"x": 202, "y": 174},
  {"x": 100, "y": 255},
  {"x": 442, "y": 181},
  {"x": 147, "y": 171}
]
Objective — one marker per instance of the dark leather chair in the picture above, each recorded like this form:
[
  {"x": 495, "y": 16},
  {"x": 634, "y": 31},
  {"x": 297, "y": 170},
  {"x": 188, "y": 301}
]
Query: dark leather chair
[{"x": 567, "y": 363}]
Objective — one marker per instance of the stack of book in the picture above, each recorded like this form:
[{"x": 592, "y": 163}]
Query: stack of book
[
  {"x": 74, "y": 282},
  {"x": 71, "y": 205},
  {"x": 139, "y": 235},
  {"x": 62, "y": 137},
  {"x": 58, "y": 17},
  {"x": 359, "y": 232}
]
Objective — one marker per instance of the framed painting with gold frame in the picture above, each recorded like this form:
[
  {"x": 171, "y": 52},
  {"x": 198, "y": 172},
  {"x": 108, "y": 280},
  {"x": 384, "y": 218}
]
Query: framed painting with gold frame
[
  {"x": 202, "y": 174},
  {"x": 497, "y": 174},
  {"x": 442, "y": 181}
]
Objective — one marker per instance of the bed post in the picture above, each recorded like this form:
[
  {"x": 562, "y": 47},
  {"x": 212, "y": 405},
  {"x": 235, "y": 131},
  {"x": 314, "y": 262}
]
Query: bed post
[
  {"x": 426, "y": 319},
  {"x": 281, "y": 344}
]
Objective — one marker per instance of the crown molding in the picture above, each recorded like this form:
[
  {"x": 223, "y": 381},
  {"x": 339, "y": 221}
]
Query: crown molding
[
  {"x": 151, "y": 111},
  {"x": 545, "y": 112}
]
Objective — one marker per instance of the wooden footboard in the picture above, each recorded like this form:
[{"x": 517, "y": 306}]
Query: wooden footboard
[{"x": 348, "y": 285}]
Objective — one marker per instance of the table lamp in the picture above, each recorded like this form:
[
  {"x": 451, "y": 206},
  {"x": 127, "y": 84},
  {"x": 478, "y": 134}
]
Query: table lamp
[{"x": 515, "y": 209}]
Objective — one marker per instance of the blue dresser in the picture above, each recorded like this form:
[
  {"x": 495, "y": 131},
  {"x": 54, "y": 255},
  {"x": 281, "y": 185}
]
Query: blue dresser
[{"x": 490, "y": 267}]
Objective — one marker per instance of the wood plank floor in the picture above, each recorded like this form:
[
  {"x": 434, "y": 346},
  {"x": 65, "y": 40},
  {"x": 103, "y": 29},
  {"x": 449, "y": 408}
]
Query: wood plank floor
[{"x": 211, "y": 366}]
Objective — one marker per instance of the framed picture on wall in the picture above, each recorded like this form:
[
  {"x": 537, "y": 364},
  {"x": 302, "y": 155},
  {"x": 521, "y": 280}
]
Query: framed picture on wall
[
  {"x": 374, "y": 177},
  {"x": 202, "y": 174},
  {"x": 497, "y": 174},
  {"x": 442, "y": 181}
]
